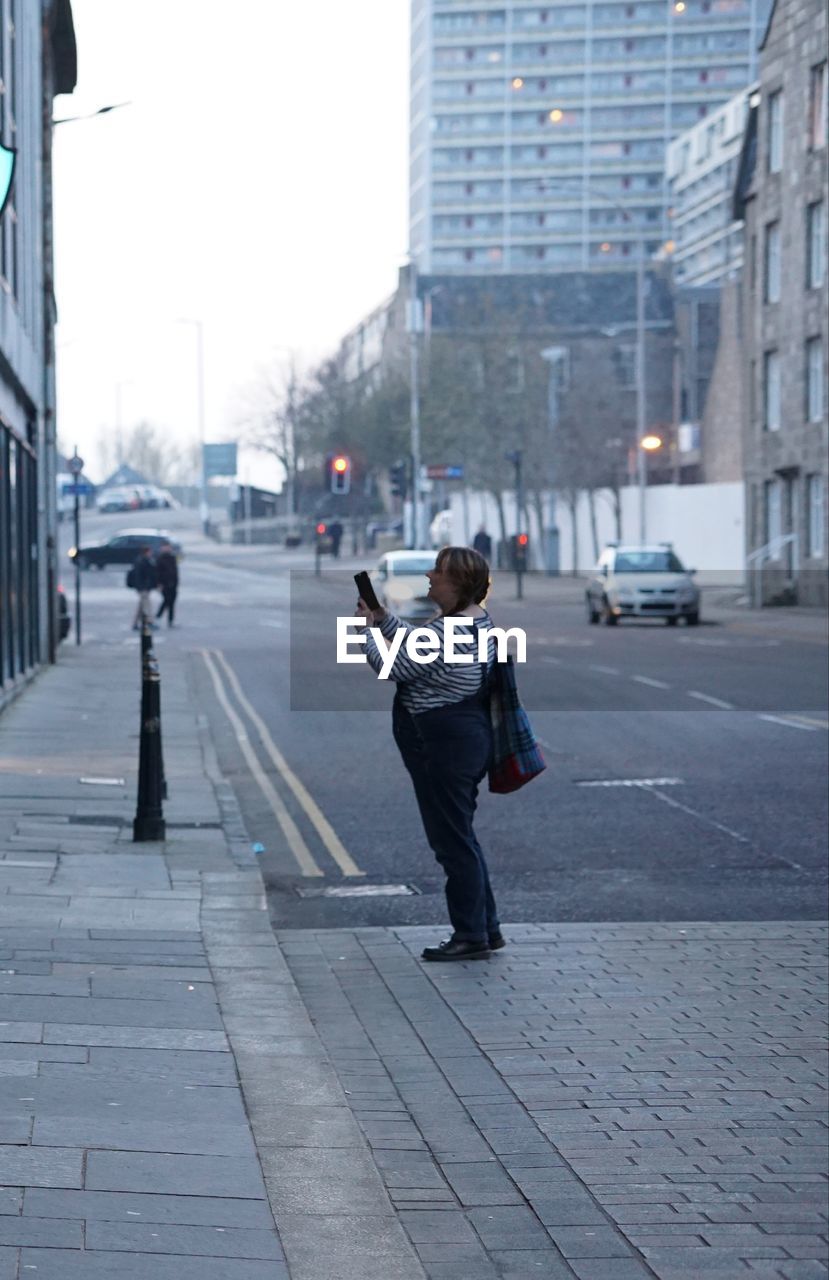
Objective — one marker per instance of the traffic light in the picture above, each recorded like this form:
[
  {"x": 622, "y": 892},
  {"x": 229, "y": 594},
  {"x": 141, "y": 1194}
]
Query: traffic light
[
  {"x": 521, "y": 550},
  {"x": 339, "y": 473},
  {"x": 321, "y": 530},
  {"x": 399, "y": 477}
]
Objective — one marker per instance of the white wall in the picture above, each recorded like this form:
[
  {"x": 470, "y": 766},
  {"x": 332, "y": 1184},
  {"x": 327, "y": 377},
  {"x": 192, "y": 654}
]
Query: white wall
[{"x": 703, "y": 521}]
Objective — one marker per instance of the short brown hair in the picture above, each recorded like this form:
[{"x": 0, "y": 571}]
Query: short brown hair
[{"x": 469, "y": 572}]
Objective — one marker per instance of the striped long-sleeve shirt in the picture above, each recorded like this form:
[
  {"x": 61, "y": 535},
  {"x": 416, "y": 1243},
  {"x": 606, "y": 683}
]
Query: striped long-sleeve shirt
[{"x": 423, "y": 687}]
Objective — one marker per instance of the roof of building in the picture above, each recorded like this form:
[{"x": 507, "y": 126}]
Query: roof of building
[
  {"x": 61, "y": 28},
  {"x": 746, "y": 164},
  {"x": 571, "y": 300},
  {"x": 124, "y": 475}
]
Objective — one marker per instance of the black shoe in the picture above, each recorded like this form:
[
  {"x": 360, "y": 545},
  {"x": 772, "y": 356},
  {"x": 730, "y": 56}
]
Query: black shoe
[
  {"x": 456, "y": 950},
  {"x": 497, "y": 941}
]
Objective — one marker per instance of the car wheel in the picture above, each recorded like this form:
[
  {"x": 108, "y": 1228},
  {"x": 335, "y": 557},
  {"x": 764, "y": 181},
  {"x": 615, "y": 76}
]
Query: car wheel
[
  {"x": 610, "y": 618},
  {"x": 592, "y": 614},
  {"x": 671, "y": 622},
  {"x": 692, "y": 619}
]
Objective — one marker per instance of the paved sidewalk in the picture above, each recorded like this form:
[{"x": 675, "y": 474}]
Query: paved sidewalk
[
  {"x": 163, "y": 1093},
  {"x": 184, "y": 1095},
  {"x": 606, "y": 1102}
]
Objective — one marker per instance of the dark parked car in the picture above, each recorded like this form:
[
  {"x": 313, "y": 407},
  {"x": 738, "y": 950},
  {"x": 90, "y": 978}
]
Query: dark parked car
[
  {"x": 122, "y": 549},
  {"x": 64, "y": 622}
]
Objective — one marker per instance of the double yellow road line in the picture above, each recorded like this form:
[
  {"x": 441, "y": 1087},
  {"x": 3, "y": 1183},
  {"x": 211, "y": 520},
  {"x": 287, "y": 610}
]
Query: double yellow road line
[{"x": 220, "y": 670}]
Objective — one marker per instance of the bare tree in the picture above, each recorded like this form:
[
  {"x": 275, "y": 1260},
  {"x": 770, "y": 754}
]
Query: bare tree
[
  {"x": 270, "y": 419},
  {"x": 147, "y": 448}
]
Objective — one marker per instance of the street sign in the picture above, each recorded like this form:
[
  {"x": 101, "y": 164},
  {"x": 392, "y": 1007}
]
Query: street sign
[
  {"x": 79, "y": 488},
  {"x": 219, "y": 459},
  {"x": 444, "y": 473},
  {"x": 75, "y": 464}
]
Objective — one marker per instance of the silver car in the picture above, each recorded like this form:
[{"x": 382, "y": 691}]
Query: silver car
[{"x": 642, "y": 582}]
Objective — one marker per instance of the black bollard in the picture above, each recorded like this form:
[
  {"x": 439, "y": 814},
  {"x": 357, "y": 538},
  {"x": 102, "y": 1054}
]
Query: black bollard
[
  {"x": 149, "y": 815},
  {"x": 147, "y": 648}
]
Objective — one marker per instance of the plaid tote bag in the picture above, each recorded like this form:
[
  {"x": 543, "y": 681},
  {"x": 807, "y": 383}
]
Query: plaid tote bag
[{"x": 516, "y": 756}]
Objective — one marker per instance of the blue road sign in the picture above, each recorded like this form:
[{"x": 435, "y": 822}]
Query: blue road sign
[
  {"x": 444, "y": 473},
  {"x": 219, "y": 460},
  {"x": 80, "y": 487}
]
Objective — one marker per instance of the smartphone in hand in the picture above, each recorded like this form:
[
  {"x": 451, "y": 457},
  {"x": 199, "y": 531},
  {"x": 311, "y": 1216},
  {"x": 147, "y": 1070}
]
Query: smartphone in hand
[{"x": 366, "y": 591}]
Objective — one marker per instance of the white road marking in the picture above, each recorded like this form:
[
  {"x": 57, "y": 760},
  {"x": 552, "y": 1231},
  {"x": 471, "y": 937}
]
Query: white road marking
[
  {"x": 792, "y": 723},
  {"x": 556, "y": 662},
  {"x": 653, "y": 684},
  {"x": 272, "y": 622},
  {"x": 707, "y": 697},
  {"x": 607, "y": 671},
  {"x": 630, "y": 782},
  {"x": 323, "y": 827},
  {"x": 297, "y": 845},
  {"x": 710, "y": 822}
]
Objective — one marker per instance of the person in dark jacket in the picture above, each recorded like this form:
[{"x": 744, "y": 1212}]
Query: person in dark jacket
[
  {"x": 144, "y": 579},
  {"x": 335, "y": 533},
  {"x": 167, "y": 568},
  {"x": 482, "y": 543}
]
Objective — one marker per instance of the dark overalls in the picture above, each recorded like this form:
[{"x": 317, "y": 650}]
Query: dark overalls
[{"x": 446, "y": 752}]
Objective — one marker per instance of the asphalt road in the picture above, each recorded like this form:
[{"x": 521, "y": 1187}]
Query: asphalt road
[{"x": 686, "y": 771}]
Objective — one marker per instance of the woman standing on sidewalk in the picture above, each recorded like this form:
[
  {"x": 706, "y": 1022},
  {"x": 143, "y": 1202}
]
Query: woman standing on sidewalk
[{"x": 442, "y": 728}]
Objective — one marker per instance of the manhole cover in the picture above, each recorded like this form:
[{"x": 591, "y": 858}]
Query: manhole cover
[{"x": 357, "y": 891}]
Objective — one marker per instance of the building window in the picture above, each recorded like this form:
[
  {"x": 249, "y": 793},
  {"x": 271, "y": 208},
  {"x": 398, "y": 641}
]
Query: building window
[
  {"x": 771, "y": 391},
  {"x": 816, "y": 516},
  {"x": 774, "y": 154},
  {"x": 815, "y": 245},
  {"x": 771, "y": 285},
  {"x": 624, "y": 358},
  {"x": 772, "y": 515},
  {"x": 814, "y": 380},
  {"x": 818, "y": 107}
]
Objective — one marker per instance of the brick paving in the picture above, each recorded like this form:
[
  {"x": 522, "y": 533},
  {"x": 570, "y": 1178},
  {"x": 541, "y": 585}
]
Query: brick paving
[{"x": 606, "y": 1102}]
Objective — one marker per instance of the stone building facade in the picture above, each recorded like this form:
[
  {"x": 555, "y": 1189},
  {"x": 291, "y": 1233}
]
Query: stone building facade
[
  {"x": 37, "y": 61},
  {"x": 782, "y": 195}
]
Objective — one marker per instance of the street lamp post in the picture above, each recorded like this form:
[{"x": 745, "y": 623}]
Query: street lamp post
[
  {"x": 414, "y": 327},
  {"x": 641, "y": 467},
  {"x": 204, "y": 510},
  {"x": 555, "y": 357}
]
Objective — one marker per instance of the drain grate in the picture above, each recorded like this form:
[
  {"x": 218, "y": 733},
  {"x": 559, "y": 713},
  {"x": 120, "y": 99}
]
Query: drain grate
[{"x": 357, "y": 891}]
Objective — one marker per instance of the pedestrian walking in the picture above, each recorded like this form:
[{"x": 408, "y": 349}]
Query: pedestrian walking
[
  {"x": 441, "y": 724},
  {"x": 335, "y": 533},
  {"x": 482, "y": 543},
  {"x": 143, "y": 578},
  {"x": 167, "y": 568}
]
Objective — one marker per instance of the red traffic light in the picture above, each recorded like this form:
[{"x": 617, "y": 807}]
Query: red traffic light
[
  {"x": 523, "y": 539},
  {"x": 321, "y": 528},
  {"x": 340, "y": 465}
]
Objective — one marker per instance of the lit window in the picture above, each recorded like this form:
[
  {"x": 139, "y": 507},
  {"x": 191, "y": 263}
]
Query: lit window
[
  {"x": 818, "y": 107},
  {"x": 774, "y": 152},
  {"x": 771, "y": 391},
  {"x": 814, "y": 380}
]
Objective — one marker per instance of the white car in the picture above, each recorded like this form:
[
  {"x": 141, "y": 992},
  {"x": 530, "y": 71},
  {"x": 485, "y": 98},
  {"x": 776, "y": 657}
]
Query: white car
[
  {"x": 642, "y": 582},
  {"x": 401, "y": 584}
]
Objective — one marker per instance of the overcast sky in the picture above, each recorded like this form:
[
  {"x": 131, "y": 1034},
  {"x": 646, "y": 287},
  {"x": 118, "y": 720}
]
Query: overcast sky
[{"x": 257, "y": 182}]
